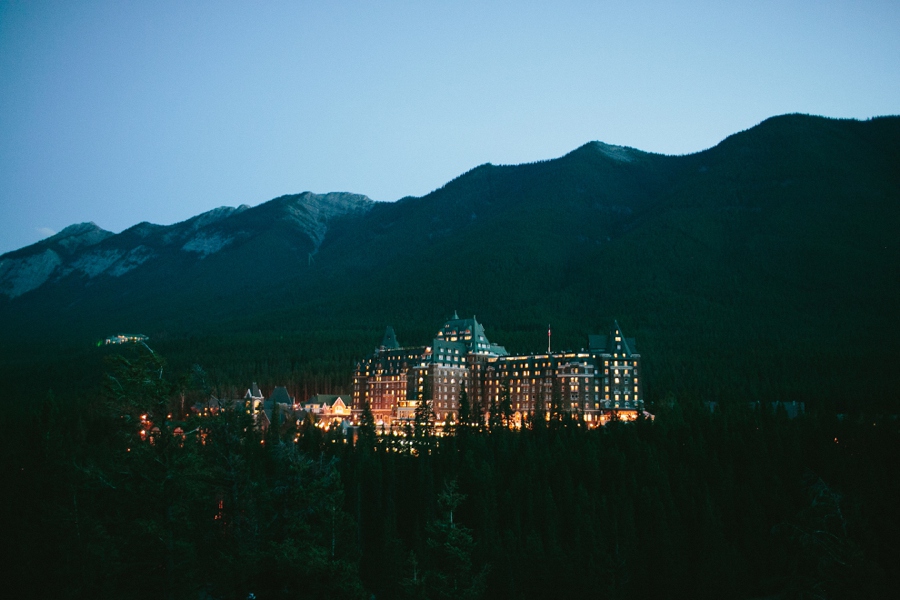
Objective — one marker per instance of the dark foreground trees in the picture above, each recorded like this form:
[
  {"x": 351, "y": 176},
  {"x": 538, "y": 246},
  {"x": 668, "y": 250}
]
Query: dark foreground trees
[{"x": 737, "y": 504}]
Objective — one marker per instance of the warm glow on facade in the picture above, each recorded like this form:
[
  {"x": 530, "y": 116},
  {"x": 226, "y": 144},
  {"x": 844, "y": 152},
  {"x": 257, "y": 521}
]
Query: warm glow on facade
[{"x": 393, "y": 379}]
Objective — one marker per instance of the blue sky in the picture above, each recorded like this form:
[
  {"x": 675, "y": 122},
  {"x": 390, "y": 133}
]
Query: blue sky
[{"x": 121, "y": 112}]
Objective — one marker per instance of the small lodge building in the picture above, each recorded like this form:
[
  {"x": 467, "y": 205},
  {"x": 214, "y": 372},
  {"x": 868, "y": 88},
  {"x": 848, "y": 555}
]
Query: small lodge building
[
  {"x": 126, "y": 338},
  {"x": 328, "y": 407}
]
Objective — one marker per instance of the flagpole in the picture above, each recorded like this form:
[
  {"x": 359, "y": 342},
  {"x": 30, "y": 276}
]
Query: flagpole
[{"x": 548, "y": 339}]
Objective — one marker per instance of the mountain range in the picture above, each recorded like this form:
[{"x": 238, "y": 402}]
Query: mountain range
[{"x": 766, "y": 267}]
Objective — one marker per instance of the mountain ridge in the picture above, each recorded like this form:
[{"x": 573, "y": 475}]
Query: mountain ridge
[
  {"x": 735, "y": 267},
  {"x": 88, "y": 250}
]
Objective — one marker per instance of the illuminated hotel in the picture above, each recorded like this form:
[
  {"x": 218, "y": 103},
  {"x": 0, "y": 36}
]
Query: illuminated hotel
[{"x": 596, "y": 384}]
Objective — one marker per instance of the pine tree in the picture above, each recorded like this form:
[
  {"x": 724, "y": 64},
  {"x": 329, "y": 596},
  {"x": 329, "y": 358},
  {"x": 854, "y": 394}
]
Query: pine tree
[
  {"x": 505, "y": 408},
  {"x": 367, "y": 431},
  {"x": 556, "y": 408},
  {"x": 449, "y": 570},
  {"x": 465, "y": 410},
  {"x": 539, "y": 418},
  {"x": 494, "y": 418},
  {"x": 423, "y": 422}
]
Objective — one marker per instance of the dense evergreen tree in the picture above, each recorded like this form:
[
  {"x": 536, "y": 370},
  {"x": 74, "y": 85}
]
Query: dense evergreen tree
[
  {"x": 465, "y": 410},
  {"x": 505, "y": 406},
  {"x": 423, "y": 423},
  {"x": 739, "y": 502}
]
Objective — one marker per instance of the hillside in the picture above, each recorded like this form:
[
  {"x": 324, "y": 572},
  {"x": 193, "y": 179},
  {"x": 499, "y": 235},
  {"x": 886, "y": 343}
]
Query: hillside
[{"x": 766, "y": 267}]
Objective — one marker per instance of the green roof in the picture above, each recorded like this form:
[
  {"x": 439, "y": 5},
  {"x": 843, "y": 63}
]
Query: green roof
[{"x": 389, "y": 341}]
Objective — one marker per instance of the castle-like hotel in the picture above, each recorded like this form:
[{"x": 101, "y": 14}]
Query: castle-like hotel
[{"x": 600, "y": 383}]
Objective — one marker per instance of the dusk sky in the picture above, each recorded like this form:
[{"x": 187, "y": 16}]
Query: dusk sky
[{"x": 121, "y": 112}]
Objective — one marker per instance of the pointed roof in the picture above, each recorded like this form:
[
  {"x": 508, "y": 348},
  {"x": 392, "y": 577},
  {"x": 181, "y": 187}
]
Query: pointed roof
[
  {"x": 614, "y": 343},
  {"x": 389, "y": 341},
  {"x": 628, "y": 345},
  {"x": 253, "y": 392},
  {"x": 469, "y": 332},
  {"x": 328, "y": 399},
  {"x": 282, "y": 400},
  {"x": 281, "y": 396}
]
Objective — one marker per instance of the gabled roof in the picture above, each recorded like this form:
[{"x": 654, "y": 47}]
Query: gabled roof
[
  {"x": 284, "y": 411},
  {"x": 467, "y": 331},
  {"x": 389, "y": 341},
  {"x": 329, "y": 399},
  {"x": 253, "y": 392},
  {"x": 440, "y": 344},
  {"x": 498, "y": 350},
  {"x": 607, "y": 344},
  {"x": 281, "y": 396}
]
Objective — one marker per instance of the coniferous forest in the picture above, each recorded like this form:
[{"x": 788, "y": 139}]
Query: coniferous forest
[{"x": 740, "y": 502}]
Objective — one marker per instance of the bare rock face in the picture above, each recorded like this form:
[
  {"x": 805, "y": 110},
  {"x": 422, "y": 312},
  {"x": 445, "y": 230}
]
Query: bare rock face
[
  {"x": 312, "y": 212},
  {"x": 29, "y": 268},
  {"x": 20, "y": 275}
]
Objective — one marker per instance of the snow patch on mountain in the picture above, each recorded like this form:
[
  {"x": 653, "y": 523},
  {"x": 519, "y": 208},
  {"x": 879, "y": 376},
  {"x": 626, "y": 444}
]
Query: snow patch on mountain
[
  {"x": 617, "y": 153},
  {"x": 96, "y": 262},
  {"x": 211, "y": 216},
  {"x": 80, "y": 235},
  {"x": 313, "y": 211},
  {"x": 134, "y": 258},
  {"x": 144, "y": 229},
  {"x": 205, "y": 244},
  {"x": 20, "y": 275}
]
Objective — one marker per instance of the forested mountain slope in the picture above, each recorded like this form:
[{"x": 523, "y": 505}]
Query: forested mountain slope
[{"x": 766, "y": 267}]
